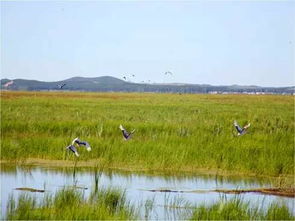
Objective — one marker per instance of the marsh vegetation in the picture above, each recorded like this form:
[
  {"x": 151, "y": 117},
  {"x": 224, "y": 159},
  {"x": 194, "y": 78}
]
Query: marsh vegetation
[
  {"x": 71, "y": 204},
  {"x": 173, "y": 132},
  {"x": 238, "y": 209}
]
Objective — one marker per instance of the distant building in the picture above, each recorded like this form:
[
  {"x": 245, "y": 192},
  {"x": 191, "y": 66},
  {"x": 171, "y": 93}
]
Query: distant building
[{"x": 213, "y": 92}]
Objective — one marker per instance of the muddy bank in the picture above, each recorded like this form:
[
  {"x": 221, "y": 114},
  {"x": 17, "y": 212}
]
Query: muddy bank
[
  {"x": 30, "y": 189},
  {"x": 286, "y": 192}
]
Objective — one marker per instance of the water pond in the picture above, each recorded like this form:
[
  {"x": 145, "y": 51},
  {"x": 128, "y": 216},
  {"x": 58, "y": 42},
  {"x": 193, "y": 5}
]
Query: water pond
[{"x": 166, "y": 205}]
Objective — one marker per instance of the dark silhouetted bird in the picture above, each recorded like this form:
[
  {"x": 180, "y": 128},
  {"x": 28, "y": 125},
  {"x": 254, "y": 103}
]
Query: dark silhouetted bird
[{"x": 60, "y": 86}]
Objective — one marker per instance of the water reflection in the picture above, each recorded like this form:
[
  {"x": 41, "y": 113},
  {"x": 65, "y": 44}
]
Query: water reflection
[{"x": 164, "y": 205}]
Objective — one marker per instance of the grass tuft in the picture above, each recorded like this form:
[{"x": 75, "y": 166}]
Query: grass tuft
[
  {"x": 69, "y": 204},
  {"x": 237, "y": 209}
]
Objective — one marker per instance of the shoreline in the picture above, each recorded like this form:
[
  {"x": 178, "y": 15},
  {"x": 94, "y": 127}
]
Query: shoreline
[{"x": 102, "y": 165}]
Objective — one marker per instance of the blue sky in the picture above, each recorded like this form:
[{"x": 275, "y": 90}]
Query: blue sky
[{"x": 202, "y": 42}]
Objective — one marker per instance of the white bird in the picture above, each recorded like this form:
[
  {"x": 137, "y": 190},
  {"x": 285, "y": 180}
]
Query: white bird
[
  {"x": 73, "y": 149},
  {"x": 79, "y": 142},
  {"x": 126, "y": 134},
  {"x": 8, "y": 84},
  {"x": 241, "y": 131}
]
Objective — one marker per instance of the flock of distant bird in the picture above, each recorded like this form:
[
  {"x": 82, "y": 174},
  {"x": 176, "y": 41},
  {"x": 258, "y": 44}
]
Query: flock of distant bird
[
  {"x": 127, "y": 135},
  {"x": 132, "y": 75},
  {"x": 60, "y": 86}
]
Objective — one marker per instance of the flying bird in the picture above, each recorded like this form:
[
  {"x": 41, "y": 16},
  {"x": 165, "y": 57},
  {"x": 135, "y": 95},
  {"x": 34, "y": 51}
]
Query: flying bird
[
  {"x": 73, "y": 149},
  {"x": 81, "y": 143},
  {"x": 8, "y": 84},
  {"x": 126, "y": 134},
  {"x": 241, "y": 131},
  {"x": 60, "y": 86},
  {"x": 124, "y": 78}
]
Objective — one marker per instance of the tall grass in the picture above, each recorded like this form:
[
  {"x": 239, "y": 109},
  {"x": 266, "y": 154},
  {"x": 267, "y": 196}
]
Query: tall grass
[
  {"x": 70, "y": 204},
  {"x": 111, "y": 204},
  {"x": 173, "y": 132},
  {"x": 237, "y": 209}
]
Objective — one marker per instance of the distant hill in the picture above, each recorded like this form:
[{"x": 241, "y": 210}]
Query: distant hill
[
  {"x": 108, "y": 83},
  {"x": 97, "y": 80}
]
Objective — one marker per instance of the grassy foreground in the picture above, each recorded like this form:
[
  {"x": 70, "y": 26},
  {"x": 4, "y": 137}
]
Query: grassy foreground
[
  {"x": 70, "y": 204},
  {"x": 110, "y": 204},
  {"x": 173, "y": 132},
  {"x": 237, "y": 209}
]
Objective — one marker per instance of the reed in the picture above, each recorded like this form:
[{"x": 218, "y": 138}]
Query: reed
[
  {"x": 173, "y": 132},
  {"x": 111, "y": 204},
  {"x": 70, "y": 204},
  {"x": 238, "y": 209}
]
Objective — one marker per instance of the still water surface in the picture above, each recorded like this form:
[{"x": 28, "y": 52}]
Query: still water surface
[{"x": 136, "y": 186}]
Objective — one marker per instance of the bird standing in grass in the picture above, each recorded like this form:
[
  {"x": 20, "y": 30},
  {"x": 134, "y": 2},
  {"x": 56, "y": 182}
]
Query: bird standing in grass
[
  {"x": 125, "y": 133},
  {"x": 241, "y": 131}
]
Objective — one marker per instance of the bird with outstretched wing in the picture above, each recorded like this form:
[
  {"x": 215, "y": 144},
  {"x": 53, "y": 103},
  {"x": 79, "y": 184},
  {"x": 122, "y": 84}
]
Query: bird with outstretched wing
[
  {"x": 81, "y": 143},
  {"x": 241, "y": 131},
  {"x": 127, "y": 135}
]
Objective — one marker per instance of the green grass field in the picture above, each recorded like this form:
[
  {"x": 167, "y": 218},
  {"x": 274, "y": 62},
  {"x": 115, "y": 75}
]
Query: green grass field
[{"x": 173, "y": 132}]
